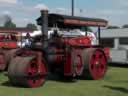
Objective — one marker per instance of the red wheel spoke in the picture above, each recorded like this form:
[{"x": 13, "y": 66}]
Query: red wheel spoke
[
  {"x": 33, "y": 70},
  {"x": 27, "y": 67},
  {"x": 97, "y": 64},
  {"x": 78, "y": 63}
]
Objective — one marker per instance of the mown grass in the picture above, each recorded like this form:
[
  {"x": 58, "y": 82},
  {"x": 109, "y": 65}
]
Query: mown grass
[{"x": 115, "y": 83}]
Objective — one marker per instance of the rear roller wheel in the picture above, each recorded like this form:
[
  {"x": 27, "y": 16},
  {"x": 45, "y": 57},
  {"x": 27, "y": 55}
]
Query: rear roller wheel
[
  {"x": 25, "y": 71},
  {"x": 77, "y": 62},
  {"x": 95, "y": 63}
]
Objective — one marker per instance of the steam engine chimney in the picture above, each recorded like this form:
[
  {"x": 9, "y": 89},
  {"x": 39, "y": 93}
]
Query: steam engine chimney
[{"x": 44, "y": 26}]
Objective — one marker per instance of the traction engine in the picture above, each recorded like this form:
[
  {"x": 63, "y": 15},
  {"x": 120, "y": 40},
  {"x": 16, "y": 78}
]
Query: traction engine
[
  {"x": 8, "y": 47},
  {"x": 68, "y": 56}
]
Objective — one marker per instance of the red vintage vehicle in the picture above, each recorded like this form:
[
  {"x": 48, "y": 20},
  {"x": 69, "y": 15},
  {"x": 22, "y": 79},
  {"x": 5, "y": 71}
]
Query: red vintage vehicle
[
  {"x": 8, "y": 45},
  {"x": 68, "y": 56}
]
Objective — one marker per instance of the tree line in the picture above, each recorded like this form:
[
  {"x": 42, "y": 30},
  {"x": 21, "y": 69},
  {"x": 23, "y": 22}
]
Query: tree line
[
  {"x": 9, "y": 24},
  {"x": 117, "y": 27}
]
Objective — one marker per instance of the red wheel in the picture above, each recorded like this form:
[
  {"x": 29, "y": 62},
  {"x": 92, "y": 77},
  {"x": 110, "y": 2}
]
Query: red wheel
[
  {"x": 25, "y": 71},
  {"x": 78, "y": 63},
  {"x": 32, "y": 70},
  {"x": 95, "y": 63}
]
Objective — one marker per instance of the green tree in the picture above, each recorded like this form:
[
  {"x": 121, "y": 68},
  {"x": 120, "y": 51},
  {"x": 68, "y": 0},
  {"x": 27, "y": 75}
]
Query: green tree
[
  {"x": 31, "y": 26},
  {"x": 8, "y": 23},
  {"x": 125, "y": 26},
  {"x": 113, "y": 27}
]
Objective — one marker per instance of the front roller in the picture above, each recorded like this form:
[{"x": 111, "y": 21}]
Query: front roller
[
  {"x": 27, "y": 71},
  {"x": 95, "y": 63}
]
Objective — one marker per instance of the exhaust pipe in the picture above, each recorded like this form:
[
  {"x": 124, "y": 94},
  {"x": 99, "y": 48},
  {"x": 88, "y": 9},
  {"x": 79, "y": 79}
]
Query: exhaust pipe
[{"x": 44, "y": 26}]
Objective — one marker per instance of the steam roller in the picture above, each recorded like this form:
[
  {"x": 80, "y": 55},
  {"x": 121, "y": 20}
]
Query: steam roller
[
  {"x": 61, "y": 52},
  {"x": 7, "y": 52}
]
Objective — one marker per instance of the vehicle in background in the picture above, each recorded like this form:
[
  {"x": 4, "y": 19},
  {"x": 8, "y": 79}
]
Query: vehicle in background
[{"x": 117, "y": 41}]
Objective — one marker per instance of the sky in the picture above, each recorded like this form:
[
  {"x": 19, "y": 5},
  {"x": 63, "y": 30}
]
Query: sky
[{"x": 27, "y": 11}]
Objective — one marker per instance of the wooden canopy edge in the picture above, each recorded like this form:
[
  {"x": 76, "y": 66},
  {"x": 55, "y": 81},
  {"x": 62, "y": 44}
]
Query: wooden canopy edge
[{"x": 74, "y": 20}]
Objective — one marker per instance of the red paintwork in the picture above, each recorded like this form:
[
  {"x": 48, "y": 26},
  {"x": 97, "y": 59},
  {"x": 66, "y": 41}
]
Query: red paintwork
[
  {"x": 66, "y": 56},
  {"x": 8, "y": 44},
  {"x": 73, "y": 64},
  {"x": 68, "y": 65},
  {"x": 2, "y": 37},
  {"x": 107, "y": 53},
  {"x": 1, "y": 44},
  {"x": 79, "y": 41},
  {"x": 24, "y": 52},
  {"x": 5, "y": 46},
  {"x": 15, "y": 31},
  {"x": 97, "y": 66},
  {"x": 36, "y": 67},
  {"x": 79, "y": 65},
  {"x": 85, "y": 23},
  {"x": 69, "y": 70},
  {"x": 57, "y": 57}
]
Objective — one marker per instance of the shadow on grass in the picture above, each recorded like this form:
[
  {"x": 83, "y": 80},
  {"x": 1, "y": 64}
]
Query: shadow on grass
[
  {"x": 121, "y": 89},
  {"x": 118, "y": 65},
  {"x": 48, "y": 78},
  {"x": 62, "y": 79},
  {"x": 8, "y": 84},
  {"x": 116, "y": 81}
]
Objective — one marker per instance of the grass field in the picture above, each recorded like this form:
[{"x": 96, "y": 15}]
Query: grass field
[{"x": 115, "y": 83}]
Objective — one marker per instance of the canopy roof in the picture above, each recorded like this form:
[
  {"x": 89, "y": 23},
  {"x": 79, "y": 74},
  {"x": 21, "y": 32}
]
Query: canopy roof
[{"x": 72, "y": 21}]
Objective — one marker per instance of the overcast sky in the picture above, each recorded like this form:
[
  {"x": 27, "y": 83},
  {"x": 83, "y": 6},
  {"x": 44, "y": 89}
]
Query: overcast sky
[{"x": 25, "y": 11}]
